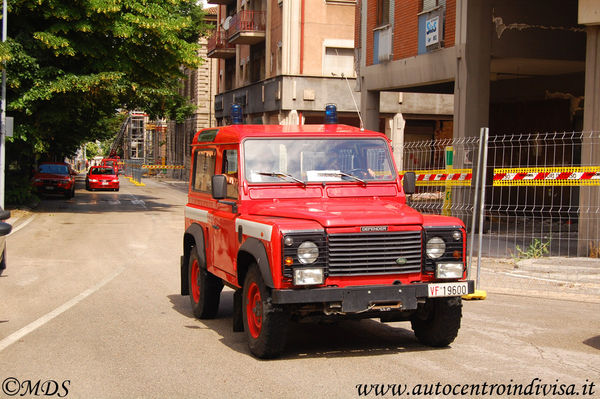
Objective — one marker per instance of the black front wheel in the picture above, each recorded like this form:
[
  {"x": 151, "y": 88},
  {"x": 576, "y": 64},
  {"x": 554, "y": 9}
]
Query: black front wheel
[
  {"x": 437, "y": 322},
  {"x": 265, "y": 325}
]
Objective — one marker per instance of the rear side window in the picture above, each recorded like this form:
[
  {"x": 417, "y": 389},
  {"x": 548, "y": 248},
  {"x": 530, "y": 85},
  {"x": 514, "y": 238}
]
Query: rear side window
[{"x": 204, "y": 169}]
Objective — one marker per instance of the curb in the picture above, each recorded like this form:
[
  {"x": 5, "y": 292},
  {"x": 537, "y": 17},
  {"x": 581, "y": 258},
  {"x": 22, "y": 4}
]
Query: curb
[{"x": 139, "y": 184}]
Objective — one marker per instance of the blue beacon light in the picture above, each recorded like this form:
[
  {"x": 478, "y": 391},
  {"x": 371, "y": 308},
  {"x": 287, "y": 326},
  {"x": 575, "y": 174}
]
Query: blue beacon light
[
  {"x": 237, "y": 117},
  {"x": 331, "y": 114}
]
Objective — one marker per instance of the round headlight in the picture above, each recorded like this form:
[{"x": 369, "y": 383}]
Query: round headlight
[
  {"x": 457, "y": 235},
  {"x": 435, "y": 247},
  {"x": 308, "y": 252}
]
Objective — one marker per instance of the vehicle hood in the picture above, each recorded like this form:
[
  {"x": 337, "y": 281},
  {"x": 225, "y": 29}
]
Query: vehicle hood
[
  {"x": 51, "y": 176},
  {"x": 344, "y": 213}
]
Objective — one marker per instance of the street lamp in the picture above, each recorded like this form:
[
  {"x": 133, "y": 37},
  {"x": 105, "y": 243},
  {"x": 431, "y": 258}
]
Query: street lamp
[{"x": 3, "y": 120}]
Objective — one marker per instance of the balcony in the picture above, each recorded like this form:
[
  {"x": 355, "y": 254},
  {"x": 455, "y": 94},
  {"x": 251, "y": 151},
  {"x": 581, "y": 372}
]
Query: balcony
[
  {"x": 247, "y": 27},
  {"x": 218, "y": 46},
  {"x": 221, "y": 2}
]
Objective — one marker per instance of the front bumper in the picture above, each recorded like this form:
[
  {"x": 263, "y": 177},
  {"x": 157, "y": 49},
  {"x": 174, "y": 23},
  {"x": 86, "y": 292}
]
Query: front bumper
[
  {"x": 100, "y": 186},
  {"x": 361, "y": 298},
  {"x": 53, "y": 189}
]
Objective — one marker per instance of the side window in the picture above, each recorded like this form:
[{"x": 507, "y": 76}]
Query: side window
[
  {"x": 204, "y": 169},
  {"x": 230, "y": 169}
]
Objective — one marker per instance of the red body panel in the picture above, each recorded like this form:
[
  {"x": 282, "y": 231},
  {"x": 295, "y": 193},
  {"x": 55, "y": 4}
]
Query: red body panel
[{"x": 269, "y": 210}]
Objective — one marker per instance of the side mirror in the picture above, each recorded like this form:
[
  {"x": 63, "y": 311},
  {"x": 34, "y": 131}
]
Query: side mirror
[
  {"x": 219, "y": 186},
  {"x": 409, "y": 183}
]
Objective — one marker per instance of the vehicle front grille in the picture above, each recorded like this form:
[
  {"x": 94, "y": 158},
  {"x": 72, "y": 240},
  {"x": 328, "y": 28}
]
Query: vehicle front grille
[{"x": 375, "y": 253}]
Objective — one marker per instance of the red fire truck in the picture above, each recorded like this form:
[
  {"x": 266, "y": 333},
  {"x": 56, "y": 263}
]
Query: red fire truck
[{"x": 311, "y": 222}]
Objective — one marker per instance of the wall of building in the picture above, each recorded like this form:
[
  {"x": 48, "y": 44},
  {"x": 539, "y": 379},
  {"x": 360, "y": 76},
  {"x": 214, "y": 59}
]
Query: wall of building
[
  {"x": 406, "y": 27},
  {"x": 325, "y": 24},
  {"x": 275, "y": 40}
]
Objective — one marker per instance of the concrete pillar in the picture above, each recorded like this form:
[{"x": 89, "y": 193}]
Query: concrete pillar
[
  {"x": 472, "y": 81},
  {"x": 589, "y": 197},
  {"x": 369, "y": 107},
  {"x": 395, "y": 132}
]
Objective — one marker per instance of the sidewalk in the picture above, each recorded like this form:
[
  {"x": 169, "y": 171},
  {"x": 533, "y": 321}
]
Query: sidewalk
[{"x": 576, "y": 279}]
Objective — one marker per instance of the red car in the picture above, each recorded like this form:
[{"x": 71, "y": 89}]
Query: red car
[
  {"x": 102, "y": 178},
  {"x": 55, "y": 178}
]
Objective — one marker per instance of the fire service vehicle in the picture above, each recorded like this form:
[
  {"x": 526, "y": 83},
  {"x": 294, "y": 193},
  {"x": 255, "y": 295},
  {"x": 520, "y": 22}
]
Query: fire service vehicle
[{"x": 311, "y": 222}]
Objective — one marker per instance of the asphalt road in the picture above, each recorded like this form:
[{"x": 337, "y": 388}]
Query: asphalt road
[{"x": 90, "y": 305}]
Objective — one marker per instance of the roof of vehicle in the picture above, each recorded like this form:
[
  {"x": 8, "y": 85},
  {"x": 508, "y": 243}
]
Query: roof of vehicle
[{"x": 237, "y": 133}]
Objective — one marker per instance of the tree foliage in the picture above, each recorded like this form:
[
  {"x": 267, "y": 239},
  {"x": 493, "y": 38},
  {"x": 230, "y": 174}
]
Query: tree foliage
[{"x": 72, "y": 63}]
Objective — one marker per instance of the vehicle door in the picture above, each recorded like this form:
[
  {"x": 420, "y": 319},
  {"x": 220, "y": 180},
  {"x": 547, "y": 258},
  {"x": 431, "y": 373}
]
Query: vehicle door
[
  {"x": 201, "y": 205},
  {"x": 225, "y": 244}
]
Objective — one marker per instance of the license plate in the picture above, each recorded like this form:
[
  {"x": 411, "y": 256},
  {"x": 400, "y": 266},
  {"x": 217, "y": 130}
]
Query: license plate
[
  {"x": 105, "y": 183},
  {"x": 49, "y": 187},
  {"x": 447, "y": 289}
]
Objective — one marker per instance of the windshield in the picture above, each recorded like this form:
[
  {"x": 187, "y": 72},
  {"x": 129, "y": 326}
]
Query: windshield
[
  {"x": 102, "y": 171},
  {"x": 317, "y": 160},
  {"x": 54, "y": 169}
]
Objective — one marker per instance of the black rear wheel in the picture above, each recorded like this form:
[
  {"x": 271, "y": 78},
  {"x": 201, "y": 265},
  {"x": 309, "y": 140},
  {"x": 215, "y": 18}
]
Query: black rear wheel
[{"x": 205, "y": 288}]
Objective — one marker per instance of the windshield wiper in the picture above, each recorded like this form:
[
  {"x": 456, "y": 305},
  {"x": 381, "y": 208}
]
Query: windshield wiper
[
  {"x": 281, "y": 175},
  {"x": 340, "y": 173}
]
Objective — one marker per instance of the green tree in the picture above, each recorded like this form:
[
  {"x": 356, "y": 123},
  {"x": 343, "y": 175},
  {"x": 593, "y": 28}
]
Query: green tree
[
  {"x": 71, "y": 64},
  {"x": 91, "y": 150}
]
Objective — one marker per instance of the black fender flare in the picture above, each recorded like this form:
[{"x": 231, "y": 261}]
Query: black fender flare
[
  {"x": 256, "y": 248},
  {"x": 194, "y": 236}
]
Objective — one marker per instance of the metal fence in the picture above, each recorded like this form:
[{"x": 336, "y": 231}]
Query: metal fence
[
  {"x": 132, "y": 168},
  {"x": 542, "y": 191}
]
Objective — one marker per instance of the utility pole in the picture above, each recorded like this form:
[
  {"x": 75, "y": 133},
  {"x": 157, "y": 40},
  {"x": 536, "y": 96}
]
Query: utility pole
[{"x": 3, "y": 121}]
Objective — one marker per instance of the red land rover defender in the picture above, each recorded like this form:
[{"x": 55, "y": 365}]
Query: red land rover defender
[{"x": 309, "y": 222}]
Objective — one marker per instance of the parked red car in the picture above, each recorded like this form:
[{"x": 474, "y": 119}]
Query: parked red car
[
  {"x": 102, "y": 178},
  {"x": 55, "y": 178}
]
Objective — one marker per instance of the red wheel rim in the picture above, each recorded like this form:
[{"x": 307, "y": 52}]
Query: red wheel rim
[
  {"x": 195, "y": 285},
  {"x": 254, "y": 310}
]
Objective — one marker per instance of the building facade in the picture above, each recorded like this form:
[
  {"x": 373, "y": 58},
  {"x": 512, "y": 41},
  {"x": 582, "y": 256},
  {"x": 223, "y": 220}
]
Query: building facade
[
  {"x": 284, "y": 60},
  {"x": 511, "y": 65}
]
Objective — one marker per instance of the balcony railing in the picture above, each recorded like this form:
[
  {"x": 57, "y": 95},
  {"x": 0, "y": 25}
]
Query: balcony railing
[
  {"x": 247, "y": 27},
  {"x": 218, "y": 46},
  {"x": 222, "y": 2}
]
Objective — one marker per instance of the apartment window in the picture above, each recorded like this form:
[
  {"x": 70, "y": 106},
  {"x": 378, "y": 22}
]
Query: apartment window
[
  {"x": 428, "y": 5},
  {"x": 338, "y": 61},
  {"x": 383, "y": 12}
]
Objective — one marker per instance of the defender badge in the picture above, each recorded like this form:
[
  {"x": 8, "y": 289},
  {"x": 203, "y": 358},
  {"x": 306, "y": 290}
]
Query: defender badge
[{"x": 374, "y": 228}]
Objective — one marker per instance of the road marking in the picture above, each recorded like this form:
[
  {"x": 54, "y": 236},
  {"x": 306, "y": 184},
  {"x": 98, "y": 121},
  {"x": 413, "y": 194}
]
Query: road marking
[
  {"x": 137, "y": 201},
  {"x": 17, "y": 335},
  {"x": 19, "y": 227}
]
